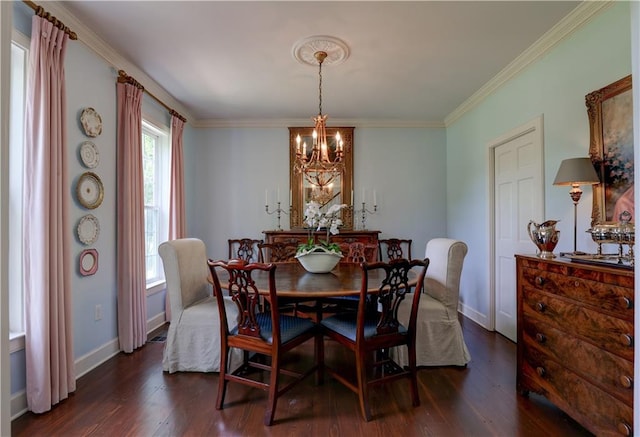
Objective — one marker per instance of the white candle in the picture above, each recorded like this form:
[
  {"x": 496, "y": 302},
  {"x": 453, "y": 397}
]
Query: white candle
[
  {"x": 278, "y": 195},
  {"x": 351, "y": 197},
  {"x": 290, "y": 198},
  {"x": 375, "y": 200},
  {"x": 266, "y": 197},
  {"x": 363, "y": 195}
]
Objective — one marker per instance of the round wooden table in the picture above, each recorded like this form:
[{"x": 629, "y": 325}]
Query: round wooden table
[{"x": 293, "y": 281}]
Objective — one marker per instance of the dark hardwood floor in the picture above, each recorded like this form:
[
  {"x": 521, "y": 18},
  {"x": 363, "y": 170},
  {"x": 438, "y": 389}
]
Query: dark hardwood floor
[{"x": 130, "y": 396}]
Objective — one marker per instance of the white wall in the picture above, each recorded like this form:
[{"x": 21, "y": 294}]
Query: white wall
[
  {"x": 594, "y": 56},
  {"x": 230, "y": 169}
]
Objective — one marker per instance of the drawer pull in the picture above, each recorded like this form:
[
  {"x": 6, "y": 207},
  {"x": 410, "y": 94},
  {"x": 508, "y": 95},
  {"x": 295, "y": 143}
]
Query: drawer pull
[
  {"x": 576, "y": 284},
  {"x": 626, "y": 302},
  {"x": 627, "y": 339},
  {"x": 624, "y": 428},
  {"x": 540, "y": 306},
  {"x": 541, "y": 371},
  {"x": 626, "y": 381},
  {"x": 540, "y": 338},
  {"x": 539, "y": 280}
]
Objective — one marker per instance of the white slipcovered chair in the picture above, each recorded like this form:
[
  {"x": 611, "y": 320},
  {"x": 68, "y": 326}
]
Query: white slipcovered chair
[
  {"x": 193, "y": 338},
  {"x": 439, "y": 340}
]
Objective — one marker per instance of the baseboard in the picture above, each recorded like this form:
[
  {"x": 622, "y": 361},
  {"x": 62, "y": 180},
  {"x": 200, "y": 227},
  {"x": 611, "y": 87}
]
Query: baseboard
[
  {"x": 85, "y": 364},
  {"x": 18, "y": 404},
  {"x": 474, "y": 315},
  {"x": 155, "y": 322}
]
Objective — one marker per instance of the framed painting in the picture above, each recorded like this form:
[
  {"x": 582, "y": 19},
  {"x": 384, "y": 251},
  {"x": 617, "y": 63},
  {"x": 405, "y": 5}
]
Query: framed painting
[{"x": 610, "y": 111}]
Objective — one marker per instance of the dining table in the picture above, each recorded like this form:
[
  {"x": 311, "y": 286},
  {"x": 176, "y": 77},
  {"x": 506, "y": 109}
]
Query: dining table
[{"x": 293, "y": 281}]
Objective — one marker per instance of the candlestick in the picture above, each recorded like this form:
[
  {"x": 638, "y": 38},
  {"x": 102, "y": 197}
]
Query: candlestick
[
  {"x": 365, "y": 211},
  {"x": 278, "y": 211}
]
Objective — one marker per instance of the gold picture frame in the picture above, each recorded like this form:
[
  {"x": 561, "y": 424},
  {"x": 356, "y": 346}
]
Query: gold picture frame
[{"x": 610, "y": 111}]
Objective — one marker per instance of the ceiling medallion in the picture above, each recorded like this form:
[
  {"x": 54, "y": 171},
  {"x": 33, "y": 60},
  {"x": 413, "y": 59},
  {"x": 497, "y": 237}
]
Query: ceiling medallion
[{"x": 304, "y": 50}]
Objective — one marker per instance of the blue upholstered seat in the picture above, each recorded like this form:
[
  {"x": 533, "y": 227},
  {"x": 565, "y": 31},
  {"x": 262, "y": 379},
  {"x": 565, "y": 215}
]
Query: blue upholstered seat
[
  {"x": 345, "y": 324},
  {"x": 290, "y": 327}
]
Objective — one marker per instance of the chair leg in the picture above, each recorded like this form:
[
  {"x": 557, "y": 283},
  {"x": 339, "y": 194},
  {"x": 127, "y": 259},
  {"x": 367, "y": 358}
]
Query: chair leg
[
  {"x": 363, "y": 388},
  {"x": 319, "y": 356},
  {"x": 413, "y": 378},
  {"x": 273, "y": 390},
  {"x": 222, "y": 381}
]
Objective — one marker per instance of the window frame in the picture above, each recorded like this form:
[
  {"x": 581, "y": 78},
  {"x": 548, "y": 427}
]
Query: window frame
[
  {"x": 18, "y": 82},
  {"x": 162, "y": 183}
]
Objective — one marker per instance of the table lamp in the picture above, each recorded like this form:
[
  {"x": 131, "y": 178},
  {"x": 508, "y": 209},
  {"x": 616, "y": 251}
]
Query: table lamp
[{"x": 576, "y": 172}]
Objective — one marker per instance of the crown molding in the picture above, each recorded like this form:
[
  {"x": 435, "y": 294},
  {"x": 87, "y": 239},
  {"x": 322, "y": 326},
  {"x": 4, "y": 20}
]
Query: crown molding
[
  {"x": 281, "y": 122},
  {"x": 113, "y": 58},
  {"x": 580, "y": 16}
]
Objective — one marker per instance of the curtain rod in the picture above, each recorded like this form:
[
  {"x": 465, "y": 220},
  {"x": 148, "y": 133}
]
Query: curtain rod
[
  {"x": 47, "y": 16},
  {"x": 123, "y": 77}
]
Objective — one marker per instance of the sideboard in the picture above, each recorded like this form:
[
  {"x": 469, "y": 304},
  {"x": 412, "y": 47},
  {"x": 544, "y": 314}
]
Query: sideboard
[
  {"x": 575, "y": 340},
  {"x": 344, "y": 238}
]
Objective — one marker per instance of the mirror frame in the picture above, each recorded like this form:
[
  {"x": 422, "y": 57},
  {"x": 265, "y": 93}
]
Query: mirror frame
[{"x": 296, "y": 217}]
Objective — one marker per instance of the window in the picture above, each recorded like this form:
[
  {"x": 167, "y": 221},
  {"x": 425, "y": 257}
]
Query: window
[
  {"x": 155, "y": 162},
  {"x": 19, "y": 62}
]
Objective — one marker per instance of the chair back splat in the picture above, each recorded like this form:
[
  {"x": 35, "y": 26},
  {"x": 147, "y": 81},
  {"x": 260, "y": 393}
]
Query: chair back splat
[
  {"x": 394, "y": 248},
  {"x": 375, "y": 328},
  {"x": 267, "y": 333},
  {"x": 244, "y": 248}
]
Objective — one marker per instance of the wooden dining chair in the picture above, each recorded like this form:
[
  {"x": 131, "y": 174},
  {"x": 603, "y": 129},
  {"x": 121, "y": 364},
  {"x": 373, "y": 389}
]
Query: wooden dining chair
[
  {"x": 375, "y": 328},
  {"x": 278, "y": 251},
  {"x": 245, "y": 248},
  {"x": 394, "y": 248},
  {"x": 357, "y": 252},
  {"x": 269, "y": 334}
]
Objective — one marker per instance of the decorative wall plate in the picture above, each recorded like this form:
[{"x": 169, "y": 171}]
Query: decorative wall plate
[
  {"x": 90, "y": 190},
  {"x": 89, "y": 154},
  {"x": 91, "y": 122},
  {"x": 88, "y": 262},
  {"x": 88, "y": 229}
]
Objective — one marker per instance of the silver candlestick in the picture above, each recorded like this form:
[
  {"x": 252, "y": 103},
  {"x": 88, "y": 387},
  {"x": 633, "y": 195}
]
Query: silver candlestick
[
  {"x": 364, "y": 211},
  {"x": 278, "y": 211}
]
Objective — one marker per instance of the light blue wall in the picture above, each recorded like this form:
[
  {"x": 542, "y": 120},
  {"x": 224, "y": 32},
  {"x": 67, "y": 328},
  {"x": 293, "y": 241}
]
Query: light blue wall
[
  {"x": 555, "y": 86},
  {"x": 232, "y": 168}
]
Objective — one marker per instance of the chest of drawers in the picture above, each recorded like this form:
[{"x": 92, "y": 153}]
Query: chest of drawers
[{"x": 575, "y": 340}]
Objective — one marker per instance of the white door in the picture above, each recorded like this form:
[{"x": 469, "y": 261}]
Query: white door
[{"x": 518, "y": 197}]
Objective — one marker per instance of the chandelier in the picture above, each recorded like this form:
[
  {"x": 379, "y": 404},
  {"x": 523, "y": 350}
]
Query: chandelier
[{"x": 324, "y": 163}]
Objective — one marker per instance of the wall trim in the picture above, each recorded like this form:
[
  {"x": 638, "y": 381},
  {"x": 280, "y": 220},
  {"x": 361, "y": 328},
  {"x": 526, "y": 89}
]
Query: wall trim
[
  {"x": 280, "y": 123},
  {"x": 86, "y": 363},
  {"x": 476, "y": 316},
  {"x": 580, "y": 16}
]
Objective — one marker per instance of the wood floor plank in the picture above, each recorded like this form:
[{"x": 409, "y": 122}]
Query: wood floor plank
[{"x": 129, "y": 395}]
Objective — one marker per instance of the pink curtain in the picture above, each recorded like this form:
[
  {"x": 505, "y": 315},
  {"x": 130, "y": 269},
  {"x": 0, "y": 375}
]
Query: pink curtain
[
  {"x": 47, "y": 230},
  {"x": 132, "y": 305},
  {"x": 177, "y": 220},
  {"x": 177, "y": 225}
]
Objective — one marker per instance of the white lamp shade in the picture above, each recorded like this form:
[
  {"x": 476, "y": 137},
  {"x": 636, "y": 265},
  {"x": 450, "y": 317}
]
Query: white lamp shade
[{"x": 576, "y": 171}]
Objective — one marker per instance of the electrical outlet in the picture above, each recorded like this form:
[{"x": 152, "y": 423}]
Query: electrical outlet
[{"x": 98, "y": 312}]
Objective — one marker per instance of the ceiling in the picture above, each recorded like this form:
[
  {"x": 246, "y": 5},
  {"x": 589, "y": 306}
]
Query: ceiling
[{"x": 411, "y": 62}]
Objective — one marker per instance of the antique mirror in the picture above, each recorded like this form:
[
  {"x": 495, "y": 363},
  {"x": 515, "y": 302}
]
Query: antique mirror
[{"x": 340, "y": 188}]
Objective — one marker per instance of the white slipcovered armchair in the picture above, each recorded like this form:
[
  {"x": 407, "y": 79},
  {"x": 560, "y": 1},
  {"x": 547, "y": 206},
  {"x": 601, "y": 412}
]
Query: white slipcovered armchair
[
  {"x": 439, "y": 340},
  {"x": 193, "y": 339}
]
